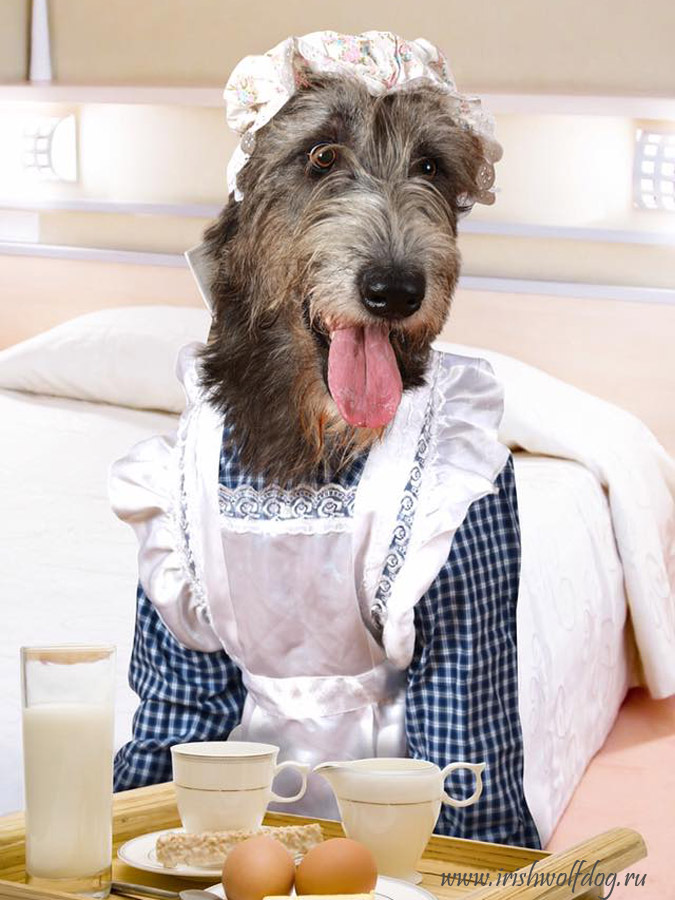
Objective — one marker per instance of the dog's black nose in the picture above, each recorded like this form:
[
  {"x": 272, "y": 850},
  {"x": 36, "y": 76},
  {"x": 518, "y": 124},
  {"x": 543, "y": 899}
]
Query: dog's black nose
[{"x": 392, "y": 293}]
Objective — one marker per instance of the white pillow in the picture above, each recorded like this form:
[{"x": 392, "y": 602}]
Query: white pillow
[{"x": 124, "y": 356}]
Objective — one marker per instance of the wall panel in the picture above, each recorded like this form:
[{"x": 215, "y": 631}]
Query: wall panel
[
  {"x": 594, "y": 46},
  {"x": 14, "y": 31}
]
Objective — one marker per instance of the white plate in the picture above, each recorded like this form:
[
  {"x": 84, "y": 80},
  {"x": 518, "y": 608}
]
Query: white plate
[
  {"x": 385, "y": 889},
  {"x": 139, "y": 852}
]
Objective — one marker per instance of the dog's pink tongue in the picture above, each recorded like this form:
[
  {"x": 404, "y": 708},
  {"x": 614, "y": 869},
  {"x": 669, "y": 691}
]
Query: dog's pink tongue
[{"x": 363, "y": 376}]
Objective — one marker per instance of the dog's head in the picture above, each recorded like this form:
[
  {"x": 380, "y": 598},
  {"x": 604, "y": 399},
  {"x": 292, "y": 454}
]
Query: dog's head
[{"x": 336, "y": 270}]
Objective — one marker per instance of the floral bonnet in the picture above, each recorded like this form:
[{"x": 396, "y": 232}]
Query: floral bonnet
[{"x": 259, "y": 87}]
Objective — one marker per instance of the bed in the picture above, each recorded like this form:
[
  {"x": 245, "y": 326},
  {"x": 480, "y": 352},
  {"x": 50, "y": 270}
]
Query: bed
[
  {"x": 67, "y": 564},
  {"x": 69, "y": 567}
]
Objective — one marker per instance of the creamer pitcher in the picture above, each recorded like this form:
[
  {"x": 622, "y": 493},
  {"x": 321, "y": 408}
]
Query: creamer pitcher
[{"x": 392, "y": 805}]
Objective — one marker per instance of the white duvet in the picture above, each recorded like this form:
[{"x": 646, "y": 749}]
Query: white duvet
[
  {"x": 545, "y": 415},
  {"x": 596, "y": 514},
  {"x": 574, "y": 654}
]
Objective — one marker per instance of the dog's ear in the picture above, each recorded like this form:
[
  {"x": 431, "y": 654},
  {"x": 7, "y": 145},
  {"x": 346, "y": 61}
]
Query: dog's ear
[
  {"x": 218, "y": 240},
  {"x": 218, "y": 236}
]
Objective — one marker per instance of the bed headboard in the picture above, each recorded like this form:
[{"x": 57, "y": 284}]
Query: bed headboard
[{"x": 620, "y": 350}]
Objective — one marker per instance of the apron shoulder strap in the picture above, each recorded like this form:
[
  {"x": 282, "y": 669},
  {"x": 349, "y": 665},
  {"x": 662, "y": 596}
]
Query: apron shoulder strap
[{"x": 456, "y": 458}]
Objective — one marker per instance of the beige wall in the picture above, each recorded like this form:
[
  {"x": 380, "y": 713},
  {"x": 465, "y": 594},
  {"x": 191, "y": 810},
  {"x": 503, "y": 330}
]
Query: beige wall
[
  {"x": 13, "y": 40},
  {"x": 38, "y": 294},
  {"x": 622, "y": 352},
  {"x": 149, "y": 234},
  {"x": 594, "y": 46},
  {"x": 553, "y": 259}
]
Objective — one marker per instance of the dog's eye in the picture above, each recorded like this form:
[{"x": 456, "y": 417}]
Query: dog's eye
[
  {"x": 426, "y": 167},
  {"x": 322, "y": 157}
]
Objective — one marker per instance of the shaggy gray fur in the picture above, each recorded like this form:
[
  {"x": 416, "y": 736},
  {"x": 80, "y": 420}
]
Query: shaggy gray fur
[{"x": 290, "y": 259}]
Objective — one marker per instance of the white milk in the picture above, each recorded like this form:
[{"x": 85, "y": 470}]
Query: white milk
[{"x": 68, "y": 753}]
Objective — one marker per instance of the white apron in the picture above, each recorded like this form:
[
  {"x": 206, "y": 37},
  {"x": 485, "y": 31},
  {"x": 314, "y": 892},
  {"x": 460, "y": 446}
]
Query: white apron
[{"x": 312, "y": 591}]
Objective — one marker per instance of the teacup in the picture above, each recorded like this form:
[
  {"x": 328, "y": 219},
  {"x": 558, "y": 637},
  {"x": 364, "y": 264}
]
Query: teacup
[
  {"x": 227, "y": 785},
  {"x": 392, "y": 806}
]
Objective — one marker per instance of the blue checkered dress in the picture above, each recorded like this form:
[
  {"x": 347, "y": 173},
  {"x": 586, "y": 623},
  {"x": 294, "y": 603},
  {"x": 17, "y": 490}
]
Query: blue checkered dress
[{"x": 462, "y": 698}]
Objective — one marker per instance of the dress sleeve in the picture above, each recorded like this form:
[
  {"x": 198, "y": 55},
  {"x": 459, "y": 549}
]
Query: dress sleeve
[
  {"x": 147, "y": 492},
  {"x": 185, "y": 695},
  {"x": 462, "y": 697}
]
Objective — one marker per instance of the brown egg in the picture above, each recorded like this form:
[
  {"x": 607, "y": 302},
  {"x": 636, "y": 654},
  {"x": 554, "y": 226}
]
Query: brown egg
[
  {"x": 337, "y": 866},
  {"x": 256, "y": 868}
]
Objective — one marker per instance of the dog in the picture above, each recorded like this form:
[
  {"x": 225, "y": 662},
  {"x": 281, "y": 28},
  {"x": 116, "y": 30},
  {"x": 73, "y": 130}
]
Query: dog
[
  {"x": 349, "y": 224},
  {"x": 362, "y": 579}
]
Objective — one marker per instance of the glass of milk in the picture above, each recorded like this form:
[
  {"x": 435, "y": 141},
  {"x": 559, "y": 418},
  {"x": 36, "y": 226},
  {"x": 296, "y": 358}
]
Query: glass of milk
[{"x": 67, "y": 705}]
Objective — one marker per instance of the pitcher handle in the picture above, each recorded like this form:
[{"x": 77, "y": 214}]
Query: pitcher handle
[
  {"x": 477, "y": 769},
  {"x": 304, "y": 770}
]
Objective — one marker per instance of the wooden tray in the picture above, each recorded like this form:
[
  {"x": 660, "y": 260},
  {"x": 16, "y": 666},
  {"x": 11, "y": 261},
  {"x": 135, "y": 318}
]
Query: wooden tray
[{"x": 154, "y": 808}]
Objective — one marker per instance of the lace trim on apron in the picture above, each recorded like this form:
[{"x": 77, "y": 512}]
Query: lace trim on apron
[
  {"x": 180, "y": 516},
  {"x": 276, "y": 503},
  {"x": 404, "y": 522}
]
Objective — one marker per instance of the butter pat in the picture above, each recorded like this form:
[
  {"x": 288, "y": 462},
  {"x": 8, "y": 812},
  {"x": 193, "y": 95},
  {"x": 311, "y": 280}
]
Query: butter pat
[{"x": 369, "y": 896}]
